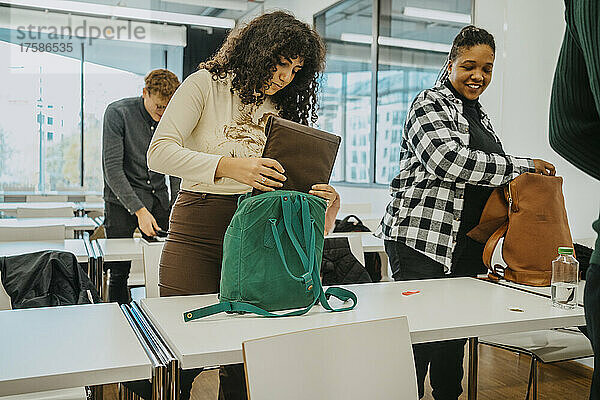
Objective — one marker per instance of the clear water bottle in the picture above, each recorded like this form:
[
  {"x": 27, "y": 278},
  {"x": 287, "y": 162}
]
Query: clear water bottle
[{"x": 565, "y": 279}]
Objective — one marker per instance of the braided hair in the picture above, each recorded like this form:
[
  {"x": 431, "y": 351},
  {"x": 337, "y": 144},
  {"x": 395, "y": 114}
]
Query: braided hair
[{"x": 468, "y": 37}]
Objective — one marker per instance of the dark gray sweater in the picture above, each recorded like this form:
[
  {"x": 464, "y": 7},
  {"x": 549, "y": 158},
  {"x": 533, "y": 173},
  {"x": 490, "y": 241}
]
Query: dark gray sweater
[{"x": 126, "y": 135}]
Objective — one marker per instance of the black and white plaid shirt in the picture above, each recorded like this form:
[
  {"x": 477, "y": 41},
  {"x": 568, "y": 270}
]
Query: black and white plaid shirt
[{"x": 435, "y": 166}]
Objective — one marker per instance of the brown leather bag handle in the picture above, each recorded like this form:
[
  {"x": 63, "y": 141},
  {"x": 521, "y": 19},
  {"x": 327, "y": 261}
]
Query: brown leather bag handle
[{"x": 491, "y": 244}]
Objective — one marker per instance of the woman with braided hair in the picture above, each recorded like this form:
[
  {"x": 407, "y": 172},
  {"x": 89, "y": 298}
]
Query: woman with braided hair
[{"x": 450, "y": 161}]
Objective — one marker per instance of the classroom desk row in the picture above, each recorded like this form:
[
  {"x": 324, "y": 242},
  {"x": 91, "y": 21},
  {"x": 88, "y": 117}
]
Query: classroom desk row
[
  {"x": 49, "y": 348},
  {"x": 9, "y": 209},
  {"x": 74, "y": 226}
]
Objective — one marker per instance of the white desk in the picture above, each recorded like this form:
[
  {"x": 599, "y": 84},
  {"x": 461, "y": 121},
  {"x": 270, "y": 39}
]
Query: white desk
[
  {"x": 89, "y": 206},
  {"x": 73, "y": 223},
  {"x": 10, "y": 208},
  {"x": 64, "y": 347},
  {"x": 74, "y": 246},
  {"x": 445, "y": 309},
  {"x": 542, "y": 291},
  {"x": 372, "y": 244},
  {"x": 128, "y": 249}
]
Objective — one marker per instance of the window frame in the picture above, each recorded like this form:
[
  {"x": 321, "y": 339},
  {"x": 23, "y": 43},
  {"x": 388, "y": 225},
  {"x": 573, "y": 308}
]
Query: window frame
[{"x": 376, "y": 26}]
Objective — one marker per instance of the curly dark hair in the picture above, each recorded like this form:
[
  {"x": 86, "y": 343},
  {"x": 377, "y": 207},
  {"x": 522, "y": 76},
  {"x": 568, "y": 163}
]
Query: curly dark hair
[
  {"x": 468, "y": 37},
  {"x": 251, "y": 53}
]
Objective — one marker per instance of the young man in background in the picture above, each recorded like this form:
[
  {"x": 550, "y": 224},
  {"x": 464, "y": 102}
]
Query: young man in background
[{"x": 134, "y": 196}]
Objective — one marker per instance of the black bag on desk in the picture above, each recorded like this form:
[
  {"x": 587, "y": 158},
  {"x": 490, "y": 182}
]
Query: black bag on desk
[
  {"x": 372, "y": 260},
  {"x": 339, "y": 266},
  {"x": 45, "y": 279}
]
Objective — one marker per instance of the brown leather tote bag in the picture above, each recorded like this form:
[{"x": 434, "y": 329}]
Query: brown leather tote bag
[{"x": 530, "y": 214}]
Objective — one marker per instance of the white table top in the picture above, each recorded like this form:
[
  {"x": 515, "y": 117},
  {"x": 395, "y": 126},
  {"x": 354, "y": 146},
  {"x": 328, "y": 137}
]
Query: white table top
[
  {"x": 73, "y": 223},
  {"x": 128, "y": 249},
  {"x": 12, "y": 206},
  {"x": 62, "y": 347},
  {"x": 445, "y": 309},
  {"x": 74, "y": 246},
  {"x": 90, "y": 205},
  {"x": 370, "y": 243},
  {"x": 542, "y": 291}
]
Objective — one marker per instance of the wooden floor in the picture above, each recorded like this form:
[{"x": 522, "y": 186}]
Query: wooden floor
[{"x": 502, "y": 376}]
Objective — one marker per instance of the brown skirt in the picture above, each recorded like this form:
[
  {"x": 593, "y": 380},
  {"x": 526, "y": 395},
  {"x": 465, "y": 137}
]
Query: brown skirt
[{"x": 191, "y": 258}]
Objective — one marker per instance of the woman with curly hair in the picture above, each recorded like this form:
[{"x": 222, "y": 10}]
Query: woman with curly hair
[{"x": 212, "y": 135}]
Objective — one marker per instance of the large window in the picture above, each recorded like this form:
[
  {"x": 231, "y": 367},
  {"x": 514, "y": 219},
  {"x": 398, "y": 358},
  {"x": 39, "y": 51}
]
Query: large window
[
  {"x": 413, "y": 39},
  {"x": 39, "y": 127},
  {"x": 52, "y": 102}
]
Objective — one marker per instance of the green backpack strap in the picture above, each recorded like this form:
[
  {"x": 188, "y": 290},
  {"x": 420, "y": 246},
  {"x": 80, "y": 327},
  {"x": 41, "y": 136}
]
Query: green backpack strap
[
  {"x": 241, "y": 308},
  {"x": 342, "y": 294}
]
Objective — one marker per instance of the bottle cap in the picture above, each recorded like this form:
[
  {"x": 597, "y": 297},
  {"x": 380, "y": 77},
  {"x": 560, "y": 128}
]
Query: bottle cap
[{"x": 565, "y": 250}]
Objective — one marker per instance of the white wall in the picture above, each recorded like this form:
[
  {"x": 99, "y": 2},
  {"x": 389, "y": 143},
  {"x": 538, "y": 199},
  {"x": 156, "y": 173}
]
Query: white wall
[{"x": 528, "y": 38}]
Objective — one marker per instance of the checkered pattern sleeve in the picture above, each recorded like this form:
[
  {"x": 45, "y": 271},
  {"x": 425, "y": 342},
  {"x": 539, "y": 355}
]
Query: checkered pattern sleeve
[{"x": 432, "y": 136}]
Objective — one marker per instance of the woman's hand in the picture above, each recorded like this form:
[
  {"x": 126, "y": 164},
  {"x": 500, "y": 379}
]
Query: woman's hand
[
  {"x": 264, "y": 174},
  {"x": 544, "y": 167},
  {"x": 333, "y": 203}
]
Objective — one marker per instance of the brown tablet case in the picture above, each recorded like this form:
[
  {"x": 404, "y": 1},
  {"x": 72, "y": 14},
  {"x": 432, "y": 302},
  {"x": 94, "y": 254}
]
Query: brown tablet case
[{"x": 307, "y": 154}]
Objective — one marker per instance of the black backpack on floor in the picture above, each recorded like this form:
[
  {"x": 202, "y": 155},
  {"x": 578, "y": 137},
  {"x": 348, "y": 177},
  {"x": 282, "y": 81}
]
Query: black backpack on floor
[{"x": 372, "y": 260}]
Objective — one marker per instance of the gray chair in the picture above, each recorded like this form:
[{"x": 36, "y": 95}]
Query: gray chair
[{"x": 545, "y": 346}]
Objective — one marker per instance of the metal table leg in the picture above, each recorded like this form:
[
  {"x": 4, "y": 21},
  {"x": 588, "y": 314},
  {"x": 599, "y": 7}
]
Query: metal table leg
[
  {"x": 534, "y": 372},
  {"x": 473, "y": 364},
  {"x": 174, "y": 373}
]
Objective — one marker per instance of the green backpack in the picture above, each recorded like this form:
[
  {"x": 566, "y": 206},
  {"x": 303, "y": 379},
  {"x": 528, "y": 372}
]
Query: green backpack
[{"x": 272, "y": 257}]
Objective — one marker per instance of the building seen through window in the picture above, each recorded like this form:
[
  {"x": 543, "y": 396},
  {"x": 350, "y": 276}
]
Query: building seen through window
[{"x": 414, "y": 40}]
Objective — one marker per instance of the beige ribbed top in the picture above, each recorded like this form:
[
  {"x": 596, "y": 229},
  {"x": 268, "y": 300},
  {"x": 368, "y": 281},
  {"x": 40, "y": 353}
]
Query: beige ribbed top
[{"x": 203, "y": 122}]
